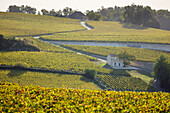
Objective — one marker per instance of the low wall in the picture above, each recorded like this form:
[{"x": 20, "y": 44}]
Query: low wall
[{"x": 146, "y": 66}]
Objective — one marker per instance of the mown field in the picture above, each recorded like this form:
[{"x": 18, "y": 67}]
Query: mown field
[
  {"x": 47, "y": 79},
  {"x": 16, "y": 98},
  {"x": 140, "y": 53},
  {"x": 17, "y": 24},
  {"x": 115, "y": 32}
]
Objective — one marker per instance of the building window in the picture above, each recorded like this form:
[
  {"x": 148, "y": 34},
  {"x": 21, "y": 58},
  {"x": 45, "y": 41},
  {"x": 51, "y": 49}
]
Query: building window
[{"x": 115, "y": 64}]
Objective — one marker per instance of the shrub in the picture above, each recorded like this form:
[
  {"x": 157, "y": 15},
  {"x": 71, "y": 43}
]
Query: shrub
[
  {"x": 90, "y": 73},
  {"x": 21, "y": 65},
  {"x": 1, "y": 36}
]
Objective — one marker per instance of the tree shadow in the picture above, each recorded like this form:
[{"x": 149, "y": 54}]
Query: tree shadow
[
  {"x": 144, "y": 73},
  {"x": 119, "y": 72},
  {"x": 107, "y": 66},
  {"x": 85, "y": 79},
  {"x": 14, "y": 73},
  {"x": 133, "y": 26}
]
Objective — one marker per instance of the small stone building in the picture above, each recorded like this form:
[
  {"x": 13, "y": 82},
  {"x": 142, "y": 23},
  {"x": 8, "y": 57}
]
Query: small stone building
[
  {"x": 114, "y": 61},
  {"x": 78, "y": 15}
]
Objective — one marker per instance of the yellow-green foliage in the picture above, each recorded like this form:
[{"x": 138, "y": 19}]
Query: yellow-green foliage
[
  {"x": 70, "y": 62},
  {"x": 139, "y": 53},
  {"x": 14, "y": 24},
  {"x": 122, "y": 83},
  {"x": 43, "y": 46},
  {"x": 16, "y": 98},
  {"x": 46, "y": 79},
  {"x": 114, "y": 31}
]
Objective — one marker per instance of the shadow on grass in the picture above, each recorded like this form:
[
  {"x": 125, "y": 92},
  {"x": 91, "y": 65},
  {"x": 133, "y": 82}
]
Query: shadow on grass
[
  {"x": 133, "y": 26},
  {"x": 83, "y": 78},
  {"x": 107, "y": 66},
  {"x": 119, "y": 72},
  {"x": 14, "y": 73},
  {"x": 144, "y": 73}
]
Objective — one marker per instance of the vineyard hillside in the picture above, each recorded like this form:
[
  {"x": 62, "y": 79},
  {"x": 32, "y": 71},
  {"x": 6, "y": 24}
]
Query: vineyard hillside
[
  {"x": 140, "y": 53},
  {"x": 44, "y": 79},
  {"x": 16, "y": 98},
  {"x": 17, "y": 24},
  {"x": 115, "y": 32}
]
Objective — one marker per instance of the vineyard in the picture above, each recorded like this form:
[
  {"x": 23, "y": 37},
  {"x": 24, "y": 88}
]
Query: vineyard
[
  {"x": 43, "y": 46},
  {"x": 16, "y": 98},
  {"x": 123, "y": 83},
  {"x": 17, "y": 24},
  {"x": 42, "y": 79},
  {"x": 67, "y": 62},
  {"x": 139, "y": 53},
  {"x": 114, "y": 32}
]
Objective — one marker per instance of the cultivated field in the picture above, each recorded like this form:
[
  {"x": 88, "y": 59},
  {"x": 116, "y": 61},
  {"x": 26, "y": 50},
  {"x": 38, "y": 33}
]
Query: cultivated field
[
  {"x": 70, "y": 62},
  {"x": 47, "y": 79},
  {"x": 17, "y": 24},
  {"x": 139, "y": 53},
  {"x": 115, "y": 32},
  {"x": 16, "y": 98},
  {"x": 46, "y": 47},
  {"x": 123, "y": 83}
]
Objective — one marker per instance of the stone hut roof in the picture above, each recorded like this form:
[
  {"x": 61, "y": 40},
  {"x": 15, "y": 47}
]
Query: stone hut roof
[
  {"x": 77, "y": 15},
  {"x": 113, "y": 55}
]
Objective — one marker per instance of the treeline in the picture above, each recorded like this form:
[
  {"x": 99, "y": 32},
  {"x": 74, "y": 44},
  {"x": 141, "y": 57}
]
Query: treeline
[
  {"x": 29, "y": 10},
  {"x": 134, "y": 14}
]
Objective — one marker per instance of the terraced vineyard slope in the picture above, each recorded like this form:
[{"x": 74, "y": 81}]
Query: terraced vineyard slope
[
  {"x": 67, "y": 62},
  {"x": 139, "y": 53},
  {"x": 123, "y": 83},
  {"x": 17, "y": 24},
  {"x": 115, "y": 32},
  {"x": 43, "y": 79},
  {"x": 16, "y": 98}
]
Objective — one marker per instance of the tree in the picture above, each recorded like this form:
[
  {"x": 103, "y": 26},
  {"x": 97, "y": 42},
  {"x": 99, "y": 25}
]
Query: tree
[
  {"x": 161, "y": 71},
  {"x": 67, "y": 11},
  {"x": 44, "y": 12},
  {"x": 1, "y": 36},
  {"x": 22, "y": 9},
  {"x": 53, "y": 13},
  {"x": 94, "y": 16},
  {"x": 39, "y": 13},
  {"x": 30, "y": 10},
  {"x": 141, "y": 16},
  {"x": 59, "y": 13},
  {"x": 90, "y": 73},
  {"x": 14, "y": 8},
  {"x": 126, "y": 57}
]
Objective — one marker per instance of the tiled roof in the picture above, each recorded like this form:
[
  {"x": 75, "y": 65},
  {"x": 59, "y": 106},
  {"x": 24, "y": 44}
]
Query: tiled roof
[{"x": 113, "y": 55}]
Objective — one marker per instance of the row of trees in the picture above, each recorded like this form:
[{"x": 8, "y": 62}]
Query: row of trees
[
  {"x": 135, "y": 14},
  {"x": 141, "y": 16},
  {"x": 66, "y": 12},
  {"x": 27, "y": 9},
  {"x": 22, "y": 9}
]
